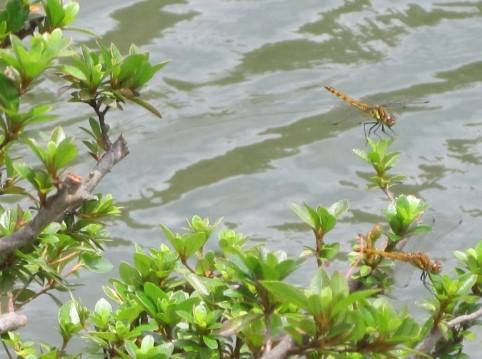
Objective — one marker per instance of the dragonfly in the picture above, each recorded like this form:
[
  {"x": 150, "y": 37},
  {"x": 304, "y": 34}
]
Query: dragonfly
[
  {"x": 417, "y": 259},
  {"x": 382, "y": 118}
]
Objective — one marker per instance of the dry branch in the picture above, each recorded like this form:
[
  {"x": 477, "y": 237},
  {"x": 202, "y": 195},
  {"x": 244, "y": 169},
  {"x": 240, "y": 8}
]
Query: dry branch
[
  {"x": 436, "y": 334},
  {"x": 286, "y": 345},
  {"x": 12, "y": 321},
  {"x": 72, "y": 192},
  {"x": 280, "y": 351}
]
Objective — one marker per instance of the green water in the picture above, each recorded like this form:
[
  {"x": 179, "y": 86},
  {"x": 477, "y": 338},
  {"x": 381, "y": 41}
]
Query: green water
[{"x": 248, "y": 128}]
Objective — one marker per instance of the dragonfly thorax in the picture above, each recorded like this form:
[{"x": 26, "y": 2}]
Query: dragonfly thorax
[{"x": 381, "y": 115}]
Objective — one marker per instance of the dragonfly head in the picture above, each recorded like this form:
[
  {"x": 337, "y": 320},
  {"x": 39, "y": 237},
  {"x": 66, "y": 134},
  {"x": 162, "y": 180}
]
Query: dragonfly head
[
  {"x": 390, "y": 119},
  {"x": 436, "y": 267},
  {"x": 386, "y": 117}
]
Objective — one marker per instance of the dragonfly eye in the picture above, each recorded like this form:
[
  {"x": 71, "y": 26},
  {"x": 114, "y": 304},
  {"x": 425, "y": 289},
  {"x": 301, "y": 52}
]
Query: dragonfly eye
[
  {"x": 391, "y": 119},
  {"x": 436, "y": 267}
]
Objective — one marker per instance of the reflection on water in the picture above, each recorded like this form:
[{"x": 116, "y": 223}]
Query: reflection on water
[
  {"x": 142, "y": 22},
  {"x": 466, "y": 150},
  {"x": 248, "y": 128}
]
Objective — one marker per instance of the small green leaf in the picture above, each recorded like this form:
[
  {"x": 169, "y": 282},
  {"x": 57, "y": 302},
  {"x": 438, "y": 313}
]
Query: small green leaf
[
  {"x": 303, "y": 214},
  {"x": 286, "y": 293},
  {"x": 65, "y": 154},
  {"x": 338, "y": 208},
  {"x": 129, "y": 274},
  {"x": 365, "y": 270},
  {"x": 146, "y": 105},
  {"x": 210, "y": 341}
]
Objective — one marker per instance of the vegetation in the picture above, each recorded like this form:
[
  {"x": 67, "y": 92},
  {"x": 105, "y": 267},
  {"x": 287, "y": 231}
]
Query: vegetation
[{"x": 183, "y": 300}]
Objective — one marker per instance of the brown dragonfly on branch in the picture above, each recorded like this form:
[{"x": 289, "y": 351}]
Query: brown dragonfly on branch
[
  {"x": 382, "y": 118},
  {"x": 416, "y": 259}
]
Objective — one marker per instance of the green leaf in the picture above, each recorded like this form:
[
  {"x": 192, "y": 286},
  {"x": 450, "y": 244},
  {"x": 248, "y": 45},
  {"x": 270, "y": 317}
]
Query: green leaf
[
  {"x": 143, "y": 263},
  {"x": 365, "y": 270},
  {"x": 103, "y": 307},
  {"x": 129, "y": 274},
  {"x": 154, "y": 292},
  {"x": 329, "y": 251},
  {"x": 362, "y": 154},
  {"x": 303, "y": 214},
  {"x": 236, "y": 325},
  {"x": 286, "y": 293},
  {"x": 9, "y": 94},
  {"x": 54, "y": 12},
  {"x": 327, "y": 220},
  {"x": 338, "y": 208},
  {"x": 74, "y": 72},
  {"x": 66, "y": 152},
  {"x": 197, "y": 284},
  {"x": 146, "y": 105},
  {"x": 96, "y": 263},
  {"x": 147, "y": 302},
  {"x": 467, "y": 285},
  {"x": 344, "y": 303},
  {"x": 210, "y": 341}
]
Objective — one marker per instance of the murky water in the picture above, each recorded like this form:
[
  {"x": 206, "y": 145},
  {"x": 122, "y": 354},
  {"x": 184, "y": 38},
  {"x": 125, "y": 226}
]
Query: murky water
[{"x": 248, "y": 129}]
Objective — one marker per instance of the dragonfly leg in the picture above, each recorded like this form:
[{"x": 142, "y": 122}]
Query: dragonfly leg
[
  {"x": 423, "y": 278},
  {"x": 365, "y": 127},
  {"x": 385, "y": 132},
  {"x": 374, "y": 127}
]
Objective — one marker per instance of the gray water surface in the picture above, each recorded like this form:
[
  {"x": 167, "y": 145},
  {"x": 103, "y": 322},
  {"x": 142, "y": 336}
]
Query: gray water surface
[{"x": 248, "y": 128}]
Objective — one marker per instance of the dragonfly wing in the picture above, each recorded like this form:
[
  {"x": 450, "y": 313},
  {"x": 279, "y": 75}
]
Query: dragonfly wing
[
  {"x": 442, "y": 228},
  {"x": 405, "y": 105}
]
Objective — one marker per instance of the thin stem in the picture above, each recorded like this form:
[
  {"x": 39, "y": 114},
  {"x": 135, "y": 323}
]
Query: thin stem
[
  {"x": 103, "y": 126},
  {"x": 74, "y": 269},
  {"x": 43, "y": 291},
  {"x": 319, "y": 245},
  {"x": 6, "y": 350},
  {"x": 184, "y": 262},
  {"x": 65, "y": 258},
  {"x": 237, "y": 348},
  {"x": 25, "y": 286},
  {"x": 388, "y": 193}
]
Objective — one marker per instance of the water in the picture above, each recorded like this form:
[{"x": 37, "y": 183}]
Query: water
[{"x": 248, "y": 129}]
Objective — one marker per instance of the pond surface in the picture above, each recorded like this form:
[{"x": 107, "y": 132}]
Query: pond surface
[{"x": 248, "y": 128}]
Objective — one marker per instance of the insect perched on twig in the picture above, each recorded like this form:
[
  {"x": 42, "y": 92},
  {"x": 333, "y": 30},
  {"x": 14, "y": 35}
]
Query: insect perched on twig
[
  {"x": 417, "y": 259},
  {"x": 382, "y": 118}
]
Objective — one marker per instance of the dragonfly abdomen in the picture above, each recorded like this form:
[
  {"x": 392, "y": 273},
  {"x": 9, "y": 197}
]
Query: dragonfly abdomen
[
  {"x": 358, "y": 104},
  {"x": 381, "y": 117}
]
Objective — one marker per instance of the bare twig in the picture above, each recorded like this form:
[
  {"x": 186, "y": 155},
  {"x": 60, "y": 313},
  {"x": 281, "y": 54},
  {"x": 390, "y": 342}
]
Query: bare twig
[
  {"x": 6, "y": 350},
  {"x": 389, "y": 194},
  {"x": 72, "y": 192},
  {"x": 104, "y": 127},
  {"x": 465, "y": 318},
  {"x": 44, "y": 290},
  {"x": 436, "y": 334}
]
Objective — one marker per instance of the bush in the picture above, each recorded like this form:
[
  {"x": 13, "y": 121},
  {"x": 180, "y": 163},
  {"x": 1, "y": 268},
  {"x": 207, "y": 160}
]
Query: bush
[{"x": 183, "y": 300}]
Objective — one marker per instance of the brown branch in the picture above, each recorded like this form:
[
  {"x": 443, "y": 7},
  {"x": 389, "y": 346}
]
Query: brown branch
[
  {"x": 104, "y": 127},
  {"x": 389, "y": 194},
  {"x": 72, "y": 192},
  {"x": 281, "y": 350},
  {"x": 286, "y": 345},
  {"x": 12, "y": 321},
  {"x": 436, "y": 334}
]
